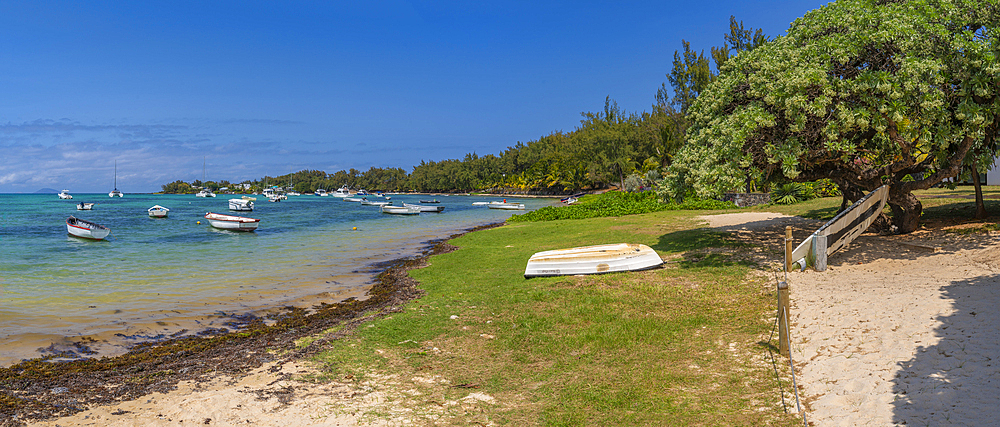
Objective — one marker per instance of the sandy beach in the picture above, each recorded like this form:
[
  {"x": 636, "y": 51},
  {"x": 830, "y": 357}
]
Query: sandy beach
[{"x": 900, "y": 330}]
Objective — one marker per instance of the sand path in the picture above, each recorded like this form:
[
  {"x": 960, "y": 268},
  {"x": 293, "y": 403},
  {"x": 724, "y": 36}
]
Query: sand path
[{"x": 900, "y": 330}]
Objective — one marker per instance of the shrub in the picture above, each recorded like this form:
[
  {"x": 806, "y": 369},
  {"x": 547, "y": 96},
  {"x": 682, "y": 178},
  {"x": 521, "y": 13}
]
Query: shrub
[{"x": 616, "y": 203}]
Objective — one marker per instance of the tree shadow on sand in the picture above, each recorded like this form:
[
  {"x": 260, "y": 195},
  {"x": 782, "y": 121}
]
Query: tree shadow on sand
[{"x": 957, "y": 380}]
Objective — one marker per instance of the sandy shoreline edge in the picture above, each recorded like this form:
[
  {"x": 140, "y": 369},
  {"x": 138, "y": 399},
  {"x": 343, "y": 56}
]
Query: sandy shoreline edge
[{"x": 37, "y": 390}]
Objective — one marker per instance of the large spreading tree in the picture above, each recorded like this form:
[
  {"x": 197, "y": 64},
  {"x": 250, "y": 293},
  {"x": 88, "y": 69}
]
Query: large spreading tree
[{"x": 863, "y": 92}]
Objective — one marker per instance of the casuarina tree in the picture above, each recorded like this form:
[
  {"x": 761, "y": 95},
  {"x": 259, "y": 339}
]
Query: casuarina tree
[{"x": 863, "y": 92}]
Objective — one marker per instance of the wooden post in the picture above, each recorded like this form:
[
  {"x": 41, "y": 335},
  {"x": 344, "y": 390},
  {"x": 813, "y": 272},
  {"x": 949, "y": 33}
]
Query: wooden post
[
  {"x": 788, "y": 249},
  {"x": 783, "y": 316},
  {"x": 819, "y": 249}
]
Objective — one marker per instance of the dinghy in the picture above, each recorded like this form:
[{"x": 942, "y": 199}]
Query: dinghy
[
  {"x": 84, "y": 206},
  {"x": 423, "y": 208},
  {"x": 592, "y": 260},
  {"x": 232, "y": 222},
  {"x": 241, "y": 205},
  {"x": 85, "y": 229},
  {"x": 507, "y": 206},
  {"x": 158, "y": 211},
  {"x": 399, "y": 210}
]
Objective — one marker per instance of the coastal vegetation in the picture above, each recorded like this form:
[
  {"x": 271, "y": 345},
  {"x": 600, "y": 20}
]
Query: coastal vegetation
[{"x": 864, "y": 93}]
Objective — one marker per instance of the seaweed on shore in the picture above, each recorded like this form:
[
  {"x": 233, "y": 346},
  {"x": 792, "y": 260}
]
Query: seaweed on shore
[{"x": 46, "y": 387}]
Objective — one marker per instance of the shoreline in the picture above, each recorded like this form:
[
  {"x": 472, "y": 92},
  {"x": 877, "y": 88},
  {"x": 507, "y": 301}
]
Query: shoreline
[{"x": 37, "y": 389}]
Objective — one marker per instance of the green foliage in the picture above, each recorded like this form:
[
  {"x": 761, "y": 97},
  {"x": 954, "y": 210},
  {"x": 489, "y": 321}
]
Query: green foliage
[
  {"x": 177, "y": 187},
  {"x": 791, "y": 193},
  {"x": 824, "y": 188},
  {"x": 616, "y": 203},
  {"x": 861, "y": 91}
]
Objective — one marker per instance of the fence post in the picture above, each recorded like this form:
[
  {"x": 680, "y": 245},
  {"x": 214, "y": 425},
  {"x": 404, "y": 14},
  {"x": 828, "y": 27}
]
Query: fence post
[
  {"x": 819, "y": 248},
  {"x": 783, "y": 316},
  {"x": 788, "y": 249}
]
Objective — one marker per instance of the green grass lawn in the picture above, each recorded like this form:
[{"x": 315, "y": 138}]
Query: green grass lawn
[{"x": 683, "y": 345}]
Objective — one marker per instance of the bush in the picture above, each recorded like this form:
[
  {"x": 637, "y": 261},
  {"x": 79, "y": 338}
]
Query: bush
[
  {"x": 616, "y": 203},
  {"x": 791, "y": 193}
]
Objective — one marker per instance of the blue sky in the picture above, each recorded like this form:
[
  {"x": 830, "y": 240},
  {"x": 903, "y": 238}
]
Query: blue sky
[{"x": 266, "y": 88}]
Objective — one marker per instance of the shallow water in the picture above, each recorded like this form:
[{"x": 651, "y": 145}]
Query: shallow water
[{"x": 157, "y": 276}]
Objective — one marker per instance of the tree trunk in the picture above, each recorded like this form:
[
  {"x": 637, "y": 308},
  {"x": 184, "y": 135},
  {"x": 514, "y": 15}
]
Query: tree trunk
[
  {"x": 980, "y": 205},
  {"x": 906, "y": 211},
  {"x": 850, "y": 193}
]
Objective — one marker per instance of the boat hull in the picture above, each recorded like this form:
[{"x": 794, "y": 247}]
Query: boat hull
[
  {"x": 231, "y": 222},
  {"x": 435, "y": 209},
  {"x": 592, "y": 260},
  {"x": 158, "y": 211},
  {"x": 507, "y": 206},
  {"x": 399, "y": 210},
  {"x": 85, "y": 229},
  {"x": 241, "y": 205},
  {"x": 84, "y": 206}
]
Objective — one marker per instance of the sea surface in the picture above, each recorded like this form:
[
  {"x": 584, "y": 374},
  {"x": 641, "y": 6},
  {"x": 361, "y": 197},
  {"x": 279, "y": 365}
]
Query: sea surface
[{"x": 156, "y": 277}]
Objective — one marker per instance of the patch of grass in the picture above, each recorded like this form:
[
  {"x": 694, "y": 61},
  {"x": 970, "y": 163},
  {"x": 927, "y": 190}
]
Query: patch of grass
[{"x": 672, "y": 346}]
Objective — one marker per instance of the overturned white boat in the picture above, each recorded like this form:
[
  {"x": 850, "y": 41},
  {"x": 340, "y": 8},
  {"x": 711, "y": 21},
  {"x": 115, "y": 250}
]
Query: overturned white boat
[
  {"x": 241, "y": 205},
  {"x": 399, "y": 210},
  {"x": 158, "y": 211},
  {"x": 592, "y": 260},
  {"x": 85, "y": 229},
  {"x": 232, "y": 222}
]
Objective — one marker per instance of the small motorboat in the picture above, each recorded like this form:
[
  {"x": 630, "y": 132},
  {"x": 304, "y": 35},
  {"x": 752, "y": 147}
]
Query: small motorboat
[
  {"x": 65, "y": 194},
  {"x": 205, "y": 192},
  {"x": 232, "y": 222},
  {"x": 507, "y": 206},
  {"x": 399, "y": 210},
  {"x": 430, "y": 201},
  {"x": 423, "y": 208},
  {"x": 592, "y": 260},
  {"x": 321, "y": 192},
  {"x": 274, "y": 198},
  {"x": 82, "y": 206},
  {"x": 567, "y": 200},
  {"x": 352, "y": 199},
  {"x": 241, "y": 205},
  {"x": 362, "y": 193},
  {"x": 343, "y": 191},
  {"x": 158, "y": 211},
  {"x": 366, "y": 202},
  {"x": 84, "y": 229}
]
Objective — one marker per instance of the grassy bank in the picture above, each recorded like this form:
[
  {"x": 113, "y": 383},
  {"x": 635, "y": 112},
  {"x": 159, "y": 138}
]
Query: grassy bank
[{"x": 682, "y": 345}]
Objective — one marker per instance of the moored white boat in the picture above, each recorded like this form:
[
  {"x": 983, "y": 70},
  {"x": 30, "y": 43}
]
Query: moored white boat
[
  {"x": 232, "y": 222},
  {"x": 158, "y": 211},
  {"x": 352, "y": 199},
  {"x": 321, "y": 192},
  {"x": 241, "y": 205},
  {"x": 342, "y": 192},
  {"x": 86, "y": 229},
  {"x": 399, "y": 210},
  {"x": 205, "y": 192},
  {"x": 423, "y": 208},
  {"x": 83, "y": 206},
  {"x": 592, "y": 260},
  {"x": 65, "y": 194},
  {"x": 366, "y": 202},
  {"x": 507, "y": 206},
  {"x": 115, "y": 192}
]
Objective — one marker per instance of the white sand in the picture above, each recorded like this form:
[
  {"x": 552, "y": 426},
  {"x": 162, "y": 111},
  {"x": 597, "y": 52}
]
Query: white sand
[{"x": 895, "y": 332}]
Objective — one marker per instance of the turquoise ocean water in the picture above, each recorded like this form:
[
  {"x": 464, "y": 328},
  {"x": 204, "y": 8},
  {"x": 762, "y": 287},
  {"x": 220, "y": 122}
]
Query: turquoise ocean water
[{"x": 153, "y": 277}]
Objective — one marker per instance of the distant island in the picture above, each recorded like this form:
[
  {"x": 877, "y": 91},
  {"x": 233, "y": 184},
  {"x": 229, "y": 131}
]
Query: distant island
[{"x": 47, "y": 191}]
